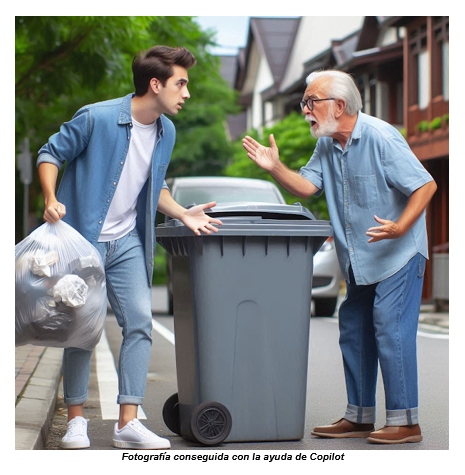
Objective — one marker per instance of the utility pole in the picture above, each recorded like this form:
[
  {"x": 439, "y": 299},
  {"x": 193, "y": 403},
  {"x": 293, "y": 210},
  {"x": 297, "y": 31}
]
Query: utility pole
[{"x": 25, "y": 170}]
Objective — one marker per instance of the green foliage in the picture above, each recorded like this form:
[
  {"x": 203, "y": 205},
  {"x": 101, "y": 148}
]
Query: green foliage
[
  {"x": 63, "y": 63},
  {"x": 435, "y": 123},
  {"x": 296, "y": 146},
  {"x": 159, "y": 267},
  {"x": 423, "y": 126}
]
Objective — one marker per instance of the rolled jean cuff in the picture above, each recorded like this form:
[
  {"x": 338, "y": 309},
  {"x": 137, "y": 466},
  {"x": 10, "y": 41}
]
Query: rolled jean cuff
[
  {"x": 402, "y": 417},
  {"x": 75, "y": 401},
  {"x": 360, "y": 415},
  {"x": 130, "y": 400}
]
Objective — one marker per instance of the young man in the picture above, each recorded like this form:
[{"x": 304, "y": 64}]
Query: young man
[
  {"x": 117, "y": 154},
  {"x": 370, "y": 176}
]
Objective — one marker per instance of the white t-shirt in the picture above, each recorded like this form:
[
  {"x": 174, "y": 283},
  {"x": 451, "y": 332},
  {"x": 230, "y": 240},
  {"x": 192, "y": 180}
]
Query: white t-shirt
[{"x": 121, "y": 217}]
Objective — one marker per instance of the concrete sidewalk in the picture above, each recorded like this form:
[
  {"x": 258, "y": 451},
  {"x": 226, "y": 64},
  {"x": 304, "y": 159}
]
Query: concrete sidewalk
[
  {"x": 38, "y": 374},
  {"x": 428, "y": 316}
]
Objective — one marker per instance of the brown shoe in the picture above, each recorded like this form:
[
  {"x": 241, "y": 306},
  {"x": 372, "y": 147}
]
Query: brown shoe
[
  {"x": 344, "y": 428},
  {"x": 396, "y": 435}
]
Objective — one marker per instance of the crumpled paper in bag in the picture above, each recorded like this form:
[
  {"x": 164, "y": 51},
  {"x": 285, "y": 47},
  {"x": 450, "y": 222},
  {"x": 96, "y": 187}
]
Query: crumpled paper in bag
[
  {"x": 40, "y": 262},
  {"x": 71, "y": 290},
  {"x": 89, "y": 261}
]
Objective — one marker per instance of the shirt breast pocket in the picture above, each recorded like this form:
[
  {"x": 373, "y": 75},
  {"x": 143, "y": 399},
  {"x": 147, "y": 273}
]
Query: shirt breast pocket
[{"x": 366, "y": 191}]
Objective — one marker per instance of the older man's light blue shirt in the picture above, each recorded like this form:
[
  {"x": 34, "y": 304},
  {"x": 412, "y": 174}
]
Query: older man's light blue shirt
[{"x": 374, "y": 175}]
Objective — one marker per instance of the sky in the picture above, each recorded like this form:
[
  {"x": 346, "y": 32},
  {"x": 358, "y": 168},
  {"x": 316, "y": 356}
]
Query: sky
[{"x": 231, "y": 32}]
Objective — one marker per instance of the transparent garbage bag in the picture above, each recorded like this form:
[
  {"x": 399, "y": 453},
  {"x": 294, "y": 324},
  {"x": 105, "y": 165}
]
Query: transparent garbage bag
[{"x": 61, "y": 297}]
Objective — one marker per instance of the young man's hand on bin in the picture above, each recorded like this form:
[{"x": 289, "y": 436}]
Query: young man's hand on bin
[
  {"x": 193, "y": 218},
  {"x": 196, "y": 220}
]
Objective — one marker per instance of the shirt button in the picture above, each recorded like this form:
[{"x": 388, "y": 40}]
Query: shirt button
[
  {"x": 108, "y": 201},
  {"x": 114, "y": 183},
  {"x": 100, "y": 222},
  {"x": 121, "y": 163}
]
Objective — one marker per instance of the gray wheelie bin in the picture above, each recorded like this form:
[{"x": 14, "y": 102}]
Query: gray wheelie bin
[{"x": 242, "y": 301}]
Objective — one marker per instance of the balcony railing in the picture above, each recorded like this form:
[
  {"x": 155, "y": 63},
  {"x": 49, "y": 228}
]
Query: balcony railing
[{"x": 437, "y": 108}]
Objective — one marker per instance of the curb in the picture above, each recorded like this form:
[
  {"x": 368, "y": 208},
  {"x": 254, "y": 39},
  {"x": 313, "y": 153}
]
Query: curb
[{"x": 36, "y": 406}]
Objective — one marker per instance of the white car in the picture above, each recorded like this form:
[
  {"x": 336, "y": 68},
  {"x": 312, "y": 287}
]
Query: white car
[
  {"x": 327, "y": 276},
  {"x": 327, "y": 279}
]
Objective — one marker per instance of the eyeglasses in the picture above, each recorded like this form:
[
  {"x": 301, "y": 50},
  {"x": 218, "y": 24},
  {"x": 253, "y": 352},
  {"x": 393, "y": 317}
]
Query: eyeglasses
[{"x": 309, "y": 102}]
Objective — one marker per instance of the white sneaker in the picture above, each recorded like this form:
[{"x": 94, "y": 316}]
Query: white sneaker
[
  {"x": 76, "y": 435},
  {"x": 135, "y": 436}
]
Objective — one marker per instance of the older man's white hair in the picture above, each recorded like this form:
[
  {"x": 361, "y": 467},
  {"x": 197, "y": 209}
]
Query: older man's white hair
[{"x": 340, "y": 86}]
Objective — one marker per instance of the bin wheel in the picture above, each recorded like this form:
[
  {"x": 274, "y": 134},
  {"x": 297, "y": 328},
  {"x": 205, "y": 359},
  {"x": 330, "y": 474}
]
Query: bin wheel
[
  {"x": 211, "y": 423},
  {"x": 171, "y": 414}
]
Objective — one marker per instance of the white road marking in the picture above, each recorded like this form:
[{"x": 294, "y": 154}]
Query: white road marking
[
  {"x": 163, "y": 331},
  {"x": 437, "y": 336},
  {"x": 108, "y": 381}
]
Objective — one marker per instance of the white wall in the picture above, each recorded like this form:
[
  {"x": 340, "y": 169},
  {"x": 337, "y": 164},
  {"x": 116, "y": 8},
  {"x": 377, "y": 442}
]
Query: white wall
[
  {"x": 264, "y": 80},
  {"x": 252, "y": 67},
  {"x": 313, "y": 37}
]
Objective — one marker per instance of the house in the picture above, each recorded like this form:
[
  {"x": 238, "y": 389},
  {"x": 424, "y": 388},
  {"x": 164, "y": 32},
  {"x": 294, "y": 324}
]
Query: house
[
  {"x": 426, "y": 115},
  {"x": 262, "y": 64},
  {"x": 400, "y": 65},
  {"x": 269, "y": 75}
]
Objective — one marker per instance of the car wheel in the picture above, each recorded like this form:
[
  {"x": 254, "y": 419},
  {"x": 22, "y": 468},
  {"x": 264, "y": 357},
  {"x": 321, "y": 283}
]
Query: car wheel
[{"x": 325, "y": 307}]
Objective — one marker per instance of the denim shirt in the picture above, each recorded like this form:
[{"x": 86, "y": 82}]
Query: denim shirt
[
  {"x": 375, "y": 174},
  {"x": 94, "y": 144}
]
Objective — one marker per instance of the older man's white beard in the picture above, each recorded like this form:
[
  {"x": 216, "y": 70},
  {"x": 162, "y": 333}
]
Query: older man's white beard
[{"x": 327, "y": 129}]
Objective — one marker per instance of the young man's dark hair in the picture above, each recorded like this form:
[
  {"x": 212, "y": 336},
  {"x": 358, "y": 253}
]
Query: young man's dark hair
[{"x": 157, "y": 62}]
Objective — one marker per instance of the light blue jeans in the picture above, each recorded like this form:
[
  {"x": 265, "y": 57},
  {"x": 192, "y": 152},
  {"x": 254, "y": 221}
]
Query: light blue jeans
[
  {"x": 129, "y": 295},
  {"x": 379, "y": 322}
]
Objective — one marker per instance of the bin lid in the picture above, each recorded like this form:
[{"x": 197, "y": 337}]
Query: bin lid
[{"x": 256, "y": 219}]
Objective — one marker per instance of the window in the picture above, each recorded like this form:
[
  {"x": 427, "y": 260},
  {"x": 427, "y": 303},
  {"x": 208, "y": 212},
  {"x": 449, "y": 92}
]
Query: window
[
  {"x": 440, "y": 66},
  {"x": 445, "y": 71},
  {"x": 419, "y": 59},
  {"x": 423, "y": 79}
]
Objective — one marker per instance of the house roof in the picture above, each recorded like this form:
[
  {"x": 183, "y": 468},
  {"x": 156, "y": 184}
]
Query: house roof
[
  {"x": 228, "y": 67},
  {"x": 339, "y": 53},
  {"x": 275, "y": 38},
  {"x": 356, "y": 49}
]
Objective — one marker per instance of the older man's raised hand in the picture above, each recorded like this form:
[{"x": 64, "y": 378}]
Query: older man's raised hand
[{"x": 265, "y": 157}]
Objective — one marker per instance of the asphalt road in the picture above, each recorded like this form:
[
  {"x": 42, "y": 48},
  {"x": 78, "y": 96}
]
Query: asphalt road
[{"x": 326, "y": 397}]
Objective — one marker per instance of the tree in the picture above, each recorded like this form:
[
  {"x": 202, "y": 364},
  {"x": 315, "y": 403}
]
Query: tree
[
  {"x": 63, "y": 63},
  {"x": 296, "y": 146}
]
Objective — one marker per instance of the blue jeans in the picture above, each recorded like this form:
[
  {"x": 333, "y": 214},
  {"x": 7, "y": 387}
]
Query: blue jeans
[
  {"x": 379, "y": 322},
  {"x": 130, "y": 297}
]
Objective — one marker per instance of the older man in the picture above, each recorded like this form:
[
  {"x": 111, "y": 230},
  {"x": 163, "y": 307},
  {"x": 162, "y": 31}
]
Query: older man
[{"x": 377, "y": 192}]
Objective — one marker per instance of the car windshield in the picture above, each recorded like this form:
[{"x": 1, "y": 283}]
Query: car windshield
[{"x": 223, "y": 194}]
